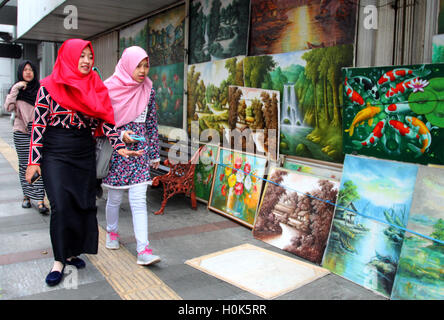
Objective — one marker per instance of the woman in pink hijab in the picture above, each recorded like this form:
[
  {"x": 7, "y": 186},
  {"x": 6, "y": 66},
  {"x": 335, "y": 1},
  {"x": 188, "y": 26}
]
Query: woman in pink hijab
[{"x": 133, "y": 101}]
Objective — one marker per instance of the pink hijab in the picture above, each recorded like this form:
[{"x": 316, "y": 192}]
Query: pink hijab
[{"x": 129, "y": 98}]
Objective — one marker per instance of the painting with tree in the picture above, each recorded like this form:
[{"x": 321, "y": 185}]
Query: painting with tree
[
  {"x": 365, "y": 242},
  {"x": 395, "y": 112},
  {"x": 311, "y": 97},
  {"x": 204, "y": 172},
  {"x": 134, "y": 35},
  {"x": 255, "y": 114},
  {"x": 296, "y": 215},
  {"x": 208, "y": 85},
  {"x": 218, "y": 29},
  {"x": 166, "y": 37},
  {"x": 279, "y": 26},
  {"x": 420, "y": 270}
]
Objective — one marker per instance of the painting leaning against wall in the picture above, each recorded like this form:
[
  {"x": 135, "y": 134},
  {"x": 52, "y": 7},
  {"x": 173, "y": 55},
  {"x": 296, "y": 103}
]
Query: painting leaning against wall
[
  {"x": 204, "y": 172},
  {"x": 168, "y": 83},
  {"x": 218, "y": 29},
  {"x": 208, "y": 85},
  {"x": 237, "y": 185},
  {"x": 255, "y": 111},
  {"x": 134, "y": 35},
  {"x": 420, "y": 270},
  {"x": 296, "y": 215},
  {"x": 166, "y": 37},
  {"x": 311, "y": 97},
  {"x": 374, "y": 198},
  {"x": 395, "y": 112}
]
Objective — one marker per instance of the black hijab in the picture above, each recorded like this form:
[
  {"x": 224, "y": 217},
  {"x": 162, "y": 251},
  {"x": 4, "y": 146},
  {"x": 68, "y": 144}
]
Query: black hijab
[{"x": 28, "y": 95}]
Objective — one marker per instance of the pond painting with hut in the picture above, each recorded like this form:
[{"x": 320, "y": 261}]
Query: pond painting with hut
[{"x": 365, "y": 242}]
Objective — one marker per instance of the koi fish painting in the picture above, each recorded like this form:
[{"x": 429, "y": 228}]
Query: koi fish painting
[{"x": 395, "y": 113}]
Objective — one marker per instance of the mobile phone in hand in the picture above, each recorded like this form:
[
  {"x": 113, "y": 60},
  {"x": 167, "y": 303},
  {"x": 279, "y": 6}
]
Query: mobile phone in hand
[
  {"x": 35, "y": 177},
  {"x": 136, "y": 137}
]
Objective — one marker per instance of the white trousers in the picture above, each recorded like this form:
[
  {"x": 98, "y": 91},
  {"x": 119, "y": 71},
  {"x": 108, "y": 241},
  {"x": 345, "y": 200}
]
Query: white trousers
[{"x": 137, "y": 201}]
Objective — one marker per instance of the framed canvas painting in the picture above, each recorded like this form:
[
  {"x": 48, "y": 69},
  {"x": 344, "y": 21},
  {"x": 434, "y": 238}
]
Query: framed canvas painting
[
  {"x": 254, "y": 116},
  {"x": 364, "y": 245},
  {"x": 134, "y": 35},
  {"x": 395, "y": 112},
  {"x": 204, "y": 172},
  {"x": 279, "y": 26},
  {"x": 218, "y": 29},
  {"x": 420, "y": 271},
  {"x": 296, "y": 215},
  {"x": 166, "y": 37},
  {"x": 168, "y": 82},
  {"x": 237, "y": 185}
]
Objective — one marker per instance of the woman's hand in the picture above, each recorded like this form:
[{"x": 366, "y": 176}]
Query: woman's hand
[
  {"x": 31, "y": 170},
  {"x": 155, "y": 165},
  {"x": 129, "y": 153},
  {"x": 126, "y": 137},
  {"x": 22, "y": 85}
]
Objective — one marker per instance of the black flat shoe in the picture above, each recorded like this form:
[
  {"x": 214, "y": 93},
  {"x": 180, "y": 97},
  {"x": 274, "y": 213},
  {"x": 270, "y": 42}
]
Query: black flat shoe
[
  {"x": 26, "y": 203},
  {"x": 42, "y": 208},
  {"x": 54, "y": 277},
  {"x": 76, "y": 262}
]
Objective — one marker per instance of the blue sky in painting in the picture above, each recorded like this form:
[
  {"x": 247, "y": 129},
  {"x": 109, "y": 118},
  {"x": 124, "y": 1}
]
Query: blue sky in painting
[{"x": 382, "y": 184}]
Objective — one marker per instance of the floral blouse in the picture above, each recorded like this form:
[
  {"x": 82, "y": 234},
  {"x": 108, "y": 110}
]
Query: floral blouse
[
  {"x": 126, "y": 172},
  {"x": 48, "y": 112}
]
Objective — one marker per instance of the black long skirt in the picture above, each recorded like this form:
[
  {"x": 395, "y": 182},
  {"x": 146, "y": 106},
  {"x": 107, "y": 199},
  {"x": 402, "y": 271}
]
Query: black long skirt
[{"x": 69, "y": 176}]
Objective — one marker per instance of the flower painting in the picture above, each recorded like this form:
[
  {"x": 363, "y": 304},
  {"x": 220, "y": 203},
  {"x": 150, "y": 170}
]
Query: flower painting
[
  {"x": 237, "y": 185},
  {"x": 204, "y": 172}
]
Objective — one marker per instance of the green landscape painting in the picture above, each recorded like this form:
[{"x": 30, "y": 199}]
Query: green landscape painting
[
  {"x": 208, "y": 93},
  {"x": 365, "y": 242},
  {"x": 134, "y": 35},
  {"x": 218, "y": 29},
  {"x": 420, "y": 273},
  {"x": 395, "y": 112},
  {"x": 310, "y": 87},
  {"x": 166, "y": 37},
  {"x": 204, "y": 172},
  {"x": 168, "y": 83}
]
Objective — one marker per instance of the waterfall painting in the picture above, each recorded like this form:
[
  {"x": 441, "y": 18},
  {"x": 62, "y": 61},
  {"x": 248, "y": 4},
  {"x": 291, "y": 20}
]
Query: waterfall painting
[
  {"x": 311, "y": 98},
  {"x": 218, "y": 29},
  {"x": 374, "y": 199},
  {"x": 279, "y": 26},
  {"x": 255, "y": 115},
  {"x": 296, "y": 215},
  {"x": 420, "y": 270}
]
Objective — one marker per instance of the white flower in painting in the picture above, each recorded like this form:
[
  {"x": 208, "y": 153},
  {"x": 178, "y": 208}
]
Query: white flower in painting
[
  {"x": 418, "y": 84},
  {"x": 240, "y": 176},
  {"x": 247, "y": 183}
]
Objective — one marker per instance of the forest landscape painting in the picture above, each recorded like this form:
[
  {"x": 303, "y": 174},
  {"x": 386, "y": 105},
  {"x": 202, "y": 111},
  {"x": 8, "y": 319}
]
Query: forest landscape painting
[
  {"x": 296, "y": 215},
  {"x": 311, "y": 98},
  {"x": 134, "y": 35},
  {"x": 218, "y": 29},
  {"x": 366, "y": 249},
  {"x": 420, "y": 271}
]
